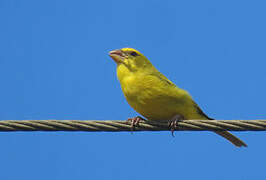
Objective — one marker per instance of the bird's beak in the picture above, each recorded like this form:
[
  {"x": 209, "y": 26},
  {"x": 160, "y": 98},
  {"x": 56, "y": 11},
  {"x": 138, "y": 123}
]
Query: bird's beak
[{"x": 117, "y": 55}]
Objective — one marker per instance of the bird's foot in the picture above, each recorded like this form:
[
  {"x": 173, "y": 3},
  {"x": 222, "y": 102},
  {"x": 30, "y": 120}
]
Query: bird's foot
[
  {"x": 134, "y": 121},
  {"x": 173, "y": 123}
]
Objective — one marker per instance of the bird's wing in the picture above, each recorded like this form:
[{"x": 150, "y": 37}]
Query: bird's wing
[
  {"x": 162, "y": 78},
  {"x": 200, "y": 111}
]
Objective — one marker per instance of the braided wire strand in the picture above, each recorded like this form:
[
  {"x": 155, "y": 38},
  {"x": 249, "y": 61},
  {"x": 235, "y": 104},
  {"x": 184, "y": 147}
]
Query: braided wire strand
[{"x": 118, "y": 125}]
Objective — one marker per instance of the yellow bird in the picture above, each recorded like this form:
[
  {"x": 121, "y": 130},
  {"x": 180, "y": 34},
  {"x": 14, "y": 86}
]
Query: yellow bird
[{"x": 154, "y": 96}]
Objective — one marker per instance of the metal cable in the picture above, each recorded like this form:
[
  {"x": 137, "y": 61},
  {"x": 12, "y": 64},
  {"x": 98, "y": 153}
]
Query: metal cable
[{"x": 118, "y": 125}]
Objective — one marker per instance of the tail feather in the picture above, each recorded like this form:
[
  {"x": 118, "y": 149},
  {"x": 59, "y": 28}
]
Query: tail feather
[
  {"x": 227, "y": 135},
  {"x": 230, "y": 137}
]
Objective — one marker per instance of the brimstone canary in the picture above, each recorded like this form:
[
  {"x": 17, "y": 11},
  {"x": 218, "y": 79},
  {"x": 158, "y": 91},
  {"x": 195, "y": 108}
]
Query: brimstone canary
[{"x": 154, "y": 96}]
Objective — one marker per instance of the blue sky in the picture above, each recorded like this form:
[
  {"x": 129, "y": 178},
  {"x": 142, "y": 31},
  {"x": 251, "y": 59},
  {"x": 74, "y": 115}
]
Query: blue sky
[{"x": 54, "y": 64}]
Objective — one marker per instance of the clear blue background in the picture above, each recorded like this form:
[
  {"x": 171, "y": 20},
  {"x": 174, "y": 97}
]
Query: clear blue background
[{"x": 54, "y": 64}]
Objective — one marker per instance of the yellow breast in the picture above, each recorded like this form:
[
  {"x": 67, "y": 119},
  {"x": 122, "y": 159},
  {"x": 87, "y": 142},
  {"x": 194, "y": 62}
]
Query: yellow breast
[{"x": 152, "y": 97}]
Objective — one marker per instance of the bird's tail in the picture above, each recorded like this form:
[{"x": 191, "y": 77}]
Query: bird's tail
[
  {"x": 227, "y": 135},
  {"x": 230, "y": 137}
]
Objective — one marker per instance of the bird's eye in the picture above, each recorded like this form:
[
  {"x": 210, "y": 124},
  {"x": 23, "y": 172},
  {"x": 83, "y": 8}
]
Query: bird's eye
[{"x": 133, "y": 53}]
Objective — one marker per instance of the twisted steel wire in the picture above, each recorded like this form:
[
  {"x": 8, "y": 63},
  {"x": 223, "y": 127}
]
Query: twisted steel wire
[{"x": 118, "y": 125}]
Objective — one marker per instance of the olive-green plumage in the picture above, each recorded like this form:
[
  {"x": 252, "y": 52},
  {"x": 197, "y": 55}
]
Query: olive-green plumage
[{"x": 154, "y": 96}]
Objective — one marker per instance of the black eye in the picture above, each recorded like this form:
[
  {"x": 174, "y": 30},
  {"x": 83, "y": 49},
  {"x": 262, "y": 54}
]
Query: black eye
[{"x": 133, "y": 53}]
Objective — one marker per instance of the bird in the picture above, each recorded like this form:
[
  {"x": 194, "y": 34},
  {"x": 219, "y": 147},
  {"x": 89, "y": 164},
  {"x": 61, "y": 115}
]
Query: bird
[{"x": 154, "y": 96}]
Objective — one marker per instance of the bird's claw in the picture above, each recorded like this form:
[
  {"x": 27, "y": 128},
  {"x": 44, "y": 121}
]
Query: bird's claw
[
  {"x": 173, "y": 123},
  {"x": 134, "y": 121}
]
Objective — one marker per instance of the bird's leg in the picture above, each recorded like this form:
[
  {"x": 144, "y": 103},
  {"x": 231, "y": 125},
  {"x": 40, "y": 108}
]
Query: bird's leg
[
  {"x": 173, "y": 123},
  {"x": 134, "y": 121}
]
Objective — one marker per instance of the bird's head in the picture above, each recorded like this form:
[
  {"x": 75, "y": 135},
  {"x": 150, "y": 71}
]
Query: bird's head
[{"x": 131, "y": 58}]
